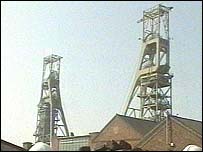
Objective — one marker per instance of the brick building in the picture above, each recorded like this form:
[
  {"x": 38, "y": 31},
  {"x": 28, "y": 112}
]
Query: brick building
[
  {"x": 120, "y": 128},
  {"x": 74, "y": 143},
  {"x": 173, "y": 133},
  {"x": 7, "y": 146}
]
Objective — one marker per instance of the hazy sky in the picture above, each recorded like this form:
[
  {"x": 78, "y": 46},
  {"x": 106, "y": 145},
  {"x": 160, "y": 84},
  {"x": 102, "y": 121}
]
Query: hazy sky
[{"x": 100, "y": 48}]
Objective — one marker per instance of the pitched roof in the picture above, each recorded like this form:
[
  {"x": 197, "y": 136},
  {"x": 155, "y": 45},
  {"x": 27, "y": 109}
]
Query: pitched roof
[
  {"x": 3, "y": 142},
  {"x": 140, "y": 125},
  {"x": 192, "y": 124}
]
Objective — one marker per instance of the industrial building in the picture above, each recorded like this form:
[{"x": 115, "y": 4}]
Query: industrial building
[
  {"x": 7, "y": 146},
  {"x": 173, "y": 133},
  {"x": 122, "y": 127},
  {"x": 73, "y": 143},
  {"x": 147, "y": 122}
]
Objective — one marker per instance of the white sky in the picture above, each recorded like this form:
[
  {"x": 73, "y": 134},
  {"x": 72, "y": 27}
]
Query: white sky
[{"x": 100, "y": 49}]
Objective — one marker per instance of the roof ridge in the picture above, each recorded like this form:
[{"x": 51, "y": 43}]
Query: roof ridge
[
  {"x": 186, "y": 118},
  {"x": 114, "y": 117},
  {"x": 187, "y": 126},
  {"x": 137, "y": 118}
]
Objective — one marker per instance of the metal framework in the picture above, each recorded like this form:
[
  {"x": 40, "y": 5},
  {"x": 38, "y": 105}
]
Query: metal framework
[
  {"x": 152, "y": 84},
  {"x": 50, "y": 118}
]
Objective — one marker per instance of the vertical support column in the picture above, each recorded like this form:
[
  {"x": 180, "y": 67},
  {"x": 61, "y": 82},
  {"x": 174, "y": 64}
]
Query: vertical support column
[
  {"x": 156, "y": 112},
  {"x": 142, "y": 99},
  {"x": 168, "y": 51},
  {"x": 158, "y": 53},
  {"x": 51, "y": 115},
  {"x": 171, "y": 95},
  {"x": 169, "y": 139},
  {"x": 159, "y": 7},
  {"x": 167, "y": 129},
  {"x": 143, "y": 27}
]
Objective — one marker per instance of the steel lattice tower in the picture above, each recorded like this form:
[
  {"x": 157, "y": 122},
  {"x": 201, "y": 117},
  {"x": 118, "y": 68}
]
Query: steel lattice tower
[
  {"x": 152, "y": 85},
  {"x": 50, "y": 118}
]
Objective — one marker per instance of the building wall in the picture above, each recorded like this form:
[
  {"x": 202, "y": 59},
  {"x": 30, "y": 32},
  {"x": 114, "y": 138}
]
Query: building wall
[
  {"x": 156, "y": 142},
  {"x": 55, "y": 143},
  {"x": 181, "y": 137},
  {"x": 6, "y": 146},
  {"x": 73, "y": 143},
  {"x": 116, "y": 130}
]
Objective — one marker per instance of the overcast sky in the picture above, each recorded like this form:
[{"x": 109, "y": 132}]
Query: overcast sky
[{"x": 100, "y": 48}]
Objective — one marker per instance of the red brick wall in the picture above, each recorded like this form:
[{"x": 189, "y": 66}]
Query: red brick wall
[
  {"x": 117, "y": 130},
  {"x": 181, "y": 137}
]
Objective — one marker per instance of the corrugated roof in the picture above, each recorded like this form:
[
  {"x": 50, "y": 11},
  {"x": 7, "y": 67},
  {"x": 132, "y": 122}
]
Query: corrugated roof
[
  {"x": 140, "y": 125},
  {"x": 193, "y": 124}
]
